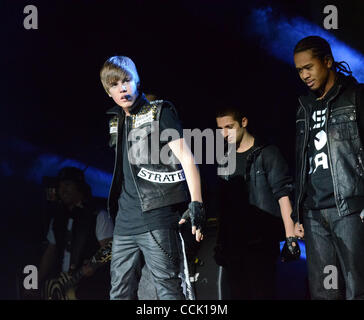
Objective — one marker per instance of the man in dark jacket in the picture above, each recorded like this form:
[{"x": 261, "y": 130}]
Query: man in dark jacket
[
  {"x": 252, "y": 200},
  {"x": 148, "y": 187},
  {"x": 329, "y": 177}
]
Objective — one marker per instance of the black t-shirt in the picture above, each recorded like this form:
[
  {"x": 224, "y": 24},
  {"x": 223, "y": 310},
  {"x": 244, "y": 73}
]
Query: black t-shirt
[
  {"x": 242, "y": 225},
  {"x": 320, "y": 188},
  {"x": 238, "y": 186},
  {"x": 241, "y": 162},
  {"x": 130, "y": 219}
]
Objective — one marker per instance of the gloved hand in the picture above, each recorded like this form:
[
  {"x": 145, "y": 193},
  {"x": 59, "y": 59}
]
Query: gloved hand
[
  {"x": 290, "y": 252},
  {"x": 195, "y": 213}
]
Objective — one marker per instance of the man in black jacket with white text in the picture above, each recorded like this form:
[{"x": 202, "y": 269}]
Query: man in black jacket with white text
[{"x": 330, "y": 173}]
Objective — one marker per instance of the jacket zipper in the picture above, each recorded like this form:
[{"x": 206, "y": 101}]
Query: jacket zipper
[
  {"x": 113, "y": 174},
  {"x": 227, "y": 178},
  {"x": 127, "y": 150},
  {"x": 336, "y": 193},
  {"x": 304, "y": 162},
  {"x": 253, "y": 155}
]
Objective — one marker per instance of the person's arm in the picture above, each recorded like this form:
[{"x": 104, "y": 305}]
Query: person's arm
[
  {"x": 291, "y": 229},
  {"x": 104, "y": 242},
  {"x": 299, "y": 231},
  {"x": 169, "y": 120},
  {"x": 286, "y": 210},
  {"x": 184, "y": 155},
  {"x": 49, "y": 257},
  {"x": 47, "y": 263},
  {"x": 291, "y": 250},
  {"x": 280, "y": 183},
  {"x": 104, "y": 228},
  {"x": 104, "y": 234},
  {"x": 87, "y": 269}
]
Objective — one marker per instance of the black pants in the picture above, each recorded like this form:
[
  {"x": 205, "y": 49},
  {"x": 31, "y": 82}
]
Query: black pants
[
  {"x": 252, "y": 275},
  {"x": 335, "y": 254},
  {"x": 160, "y": 250}
]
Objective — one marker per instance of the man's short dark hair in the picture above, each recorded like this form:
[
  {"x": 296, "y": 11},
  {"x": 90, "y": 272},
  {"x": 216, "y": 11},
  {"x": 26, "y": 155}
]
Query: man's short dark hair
[{"x": 237, "y": 113}]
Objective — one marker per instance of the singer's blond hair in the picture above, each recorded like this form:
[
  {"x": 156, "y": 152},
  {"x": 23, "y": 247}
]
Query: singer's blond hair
[{"x": 118, "y": 68}]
